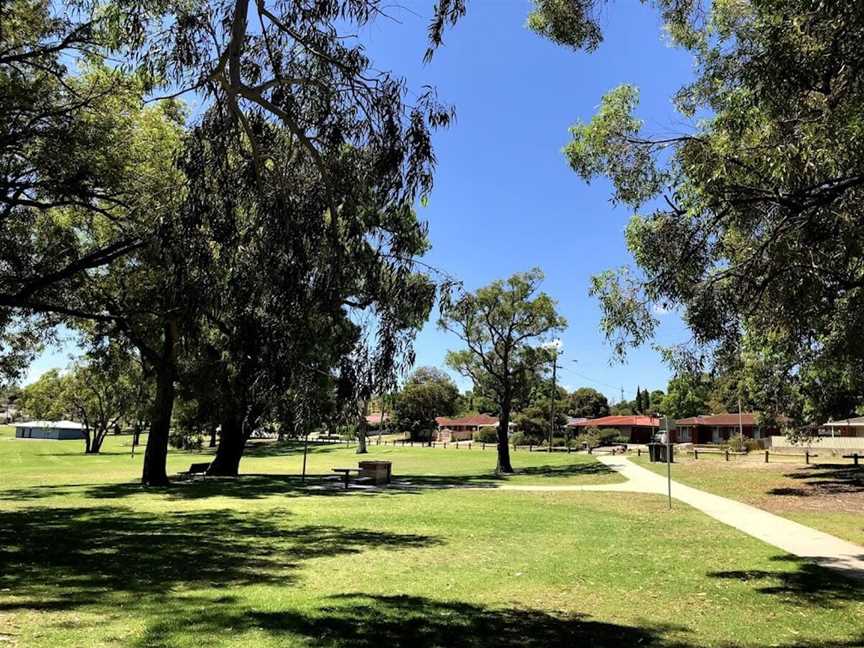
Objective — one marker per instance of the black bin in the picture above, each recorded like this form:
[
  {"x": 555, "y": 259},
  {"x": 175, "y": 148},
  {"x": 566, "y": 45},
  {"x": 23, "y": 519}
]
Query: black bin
[{"x": 657, "y": 453}]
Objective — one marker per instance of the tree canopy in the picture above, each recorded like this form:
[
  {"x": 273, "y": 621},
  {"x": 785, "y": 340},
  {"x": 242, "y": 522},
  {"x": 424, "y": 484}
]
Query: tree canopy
[{"x": 750, "y": 223}]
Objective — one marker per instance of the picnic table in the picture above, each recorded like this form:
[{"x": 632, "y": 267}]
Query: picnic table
[{"x": 346, "y": 474}]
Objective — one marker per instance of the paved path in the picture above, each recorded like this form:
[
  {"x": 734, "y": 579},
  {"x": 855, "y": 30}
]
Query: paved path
[{"x": 791, "y": 537}]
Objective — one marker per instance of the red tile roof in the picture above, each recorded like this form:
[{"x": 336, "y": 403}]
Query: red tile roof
[
  {"x": 375, "y": 418},
  {"x": 479, "y": 420},
  {"x": 723, "y": 420},
  {"x": 619, "y": 421}
]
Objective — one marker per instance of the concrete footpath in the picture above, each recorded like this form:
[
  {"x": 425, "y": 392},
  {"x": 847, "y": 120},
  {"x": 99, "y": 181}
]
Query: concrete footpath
[{"x": 796, "y": 539}]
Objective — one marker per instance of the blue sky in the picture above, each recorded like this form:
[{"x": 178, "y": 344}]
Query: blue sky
[{"x": 504, "y": 198}]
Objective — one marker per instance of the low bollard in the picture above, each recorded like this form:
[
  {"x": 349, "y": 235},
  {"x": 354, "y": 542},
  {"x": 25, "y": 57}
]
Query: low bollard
[{"x": 766, "y": 456}]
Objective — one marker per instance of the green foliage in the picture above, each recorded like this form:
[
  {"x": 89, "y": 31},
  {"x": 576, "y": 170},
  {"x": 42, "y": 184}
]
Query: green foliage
[
  {"x": 686, "y": 395},
  {"x": 587, "y": 402},
  {"x": 486, "y": 435},
  {"x": 748, "y": 207},
  {"x": 534, "y": 420},
  {"x": 45, "y": 398},
  {"x": 427, "y": 394},
  {"x": 590, "y": 438},
  {"x": 567, "y": 22},
  {"x": 518, "y": 438}
]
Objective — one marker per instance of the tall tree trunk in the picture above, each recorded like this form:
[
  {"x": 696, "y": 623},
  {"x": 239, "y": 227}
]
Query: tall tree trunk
[
  {"x": 95, "y": 445},
  {"x": 504, "y": 465},
  {"x": 232, "y": 443},
  {"x": 156, "y": 455},
  {"x": 361, "y": 429}
]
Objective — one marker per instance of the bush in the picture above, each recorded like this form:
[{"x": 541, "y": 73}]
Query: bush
[
  {"x": 590, "y": 438},
  {"x": 739, "y": 443},
  {"x": 186, "y": 439},
  {"x": 486, "y": 435},
  {"x": 609, "y": 435}
]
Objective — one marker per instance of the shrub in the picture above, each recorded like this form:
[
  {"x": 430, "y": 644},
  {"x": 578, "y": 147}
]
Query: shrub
[
  {"x": 186, "y": 439},
  {"x": 559, "y": 441},
  {"x": 486, "y": 435},
  {"x": 752, "y": 445},
  {"x": 590, "y": 438},
  {"x": 607, "y": 436},
  {"x": 737, "y": 443}
]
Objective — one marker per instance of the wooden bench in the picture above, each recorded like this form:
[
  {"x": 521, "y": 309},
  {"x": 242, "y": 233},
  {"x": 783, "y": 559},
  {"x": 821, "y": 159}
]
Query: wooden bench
[
  {"x": 197, "y": 469},
  {"x": 854, "y": 456},
  {"x": 346, "y": 474}
]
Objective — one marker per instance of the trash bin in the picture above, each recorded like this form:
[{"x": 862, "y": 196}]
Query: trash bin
[
  {"x": 657, "y": 453},
  {"x": 377, "y": 471}
]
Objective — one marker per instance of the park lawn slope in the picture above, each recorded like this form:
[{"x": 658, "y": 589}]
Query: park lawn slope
[
  {"x": 30, "y": 462},
  {"x": 825, "y": 496},
  {"x": 88, "y": 558}
]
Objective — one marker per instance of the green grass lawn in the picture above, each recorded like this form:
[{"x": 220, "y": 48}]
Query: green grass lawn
[
  {"x": 827, "y": 496},
  {"x": 89, "y": 559}
]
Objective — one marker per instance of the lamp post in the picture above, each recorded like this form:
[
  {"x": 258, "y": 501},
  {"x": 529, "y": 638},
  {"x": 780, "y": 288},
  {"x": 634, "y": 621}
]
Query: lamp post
[{"x": 554, "y": 346}]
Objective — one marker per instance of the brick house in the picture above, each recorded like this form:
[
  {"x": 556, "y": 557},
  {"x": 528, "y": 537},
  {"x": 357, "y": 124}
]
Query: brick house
[
  {"x": 462, "y": 429},
  {"x": 719, "y": 427},
  {"x": 639, "y": 429}
]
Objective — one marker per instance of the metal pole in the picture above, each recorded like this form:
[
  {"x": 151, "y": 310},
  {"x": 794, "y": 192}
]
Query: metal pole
[
  {"x": 740, "y": 424},
  {"x": 668, "y": 463},
  {"x": 554, "y": 394}
]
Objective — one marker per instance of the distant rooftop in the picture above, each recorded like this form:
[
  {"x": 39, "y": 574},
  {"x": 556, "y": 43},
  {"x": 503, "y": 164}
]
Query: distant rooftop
[{"x": 59, "y": 425}]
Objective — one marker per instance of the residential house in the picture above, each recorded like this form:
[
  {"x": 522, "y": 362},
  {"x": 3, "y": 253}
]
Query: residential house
[
  {"x": 462, "y": 429},
  {"x": 719, "y": 427},
  {"x": 638, "y": 429}
]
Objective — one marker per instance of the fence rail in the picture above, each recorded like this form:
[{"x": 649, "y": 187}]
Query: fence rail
[{"x": 822, "y": 443}]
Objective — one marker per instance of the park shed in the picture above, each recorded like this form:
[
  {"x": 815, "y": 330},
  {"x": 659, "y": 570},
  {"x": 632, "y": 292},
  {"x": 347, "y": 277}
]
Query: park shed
[{"x": 56, "y": 430}]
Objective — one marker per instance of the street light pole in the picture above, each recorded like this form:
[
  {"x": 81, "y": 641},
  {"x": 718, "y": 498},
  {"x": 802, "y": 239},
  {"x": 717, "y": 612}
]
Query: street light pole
[{"x": 554, "y": 394}]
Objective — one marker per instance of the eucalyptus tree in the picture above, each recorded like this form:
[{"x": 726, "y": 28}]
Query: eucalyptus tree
[
  {"x": 287, "y": 289},
  {"x": 102, "y": 392},
  {"x": 72, "y": 198},
  {"x": 751, "y": 220},
  {"x": 503, "y": 326}
]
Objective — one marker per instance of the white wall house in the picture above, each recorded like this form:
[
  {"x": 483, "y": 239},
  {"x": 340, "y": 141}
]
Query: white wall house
[{"x": 57, "y": 430}]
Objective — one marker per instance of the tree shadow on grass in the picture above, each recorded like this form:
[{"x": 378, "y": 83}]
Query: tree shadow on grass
[
  {"x": 255, "y": 486},
  {"x": 593, "y": 468},
  {"x": 62, "y": 558},
  {"x": 810, "y": 584},
  {"x": 825, "y": 479},
  {"x": 359, "y": 620},
  {"x": 371, "y": 621}
]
